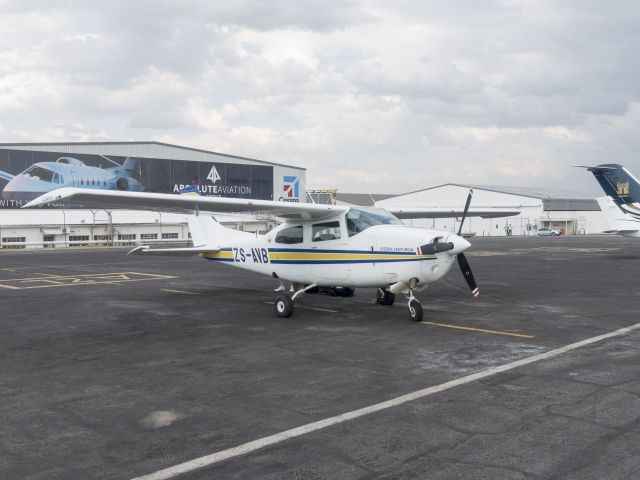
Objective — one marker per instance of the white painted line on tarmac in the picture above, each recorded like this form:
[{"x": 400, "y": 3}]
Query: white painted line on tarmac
[{"x": 249, "y": 447}]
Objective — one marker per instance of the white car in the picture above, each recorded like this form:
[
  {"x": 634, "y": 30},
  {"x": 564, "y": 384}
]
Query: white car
[{"x": 548, "y": 232}]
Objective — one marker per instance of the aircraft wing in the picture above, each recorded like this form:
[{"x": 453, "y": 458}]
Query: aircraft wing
[
  {"x": 6, "y": 176},
  {"x": 444, "y": 212},
  {"x": 167, "y": 202},
  {"x": 172, "y": 252}
]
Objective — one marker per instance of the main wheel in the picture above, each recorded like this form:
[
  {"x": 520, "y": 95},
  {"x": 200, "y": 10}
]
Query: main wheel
[
  {"x": 283, "y": 305},
  {"x": 415, "y": 310},
  {"x": 385, "y": 297}
]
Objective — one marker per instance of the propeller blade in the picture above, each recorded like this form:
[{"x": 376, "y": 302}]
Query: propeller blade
[
  {"x": 466, "y": 273},
  {"x": 435, "y": 247},
  {"x": 466, "y": 209}
]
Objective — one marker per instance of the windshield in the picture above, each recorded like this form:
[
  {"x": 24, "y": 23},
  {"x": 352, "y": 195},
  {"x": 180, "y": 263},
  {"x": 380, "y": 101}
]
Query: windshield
[
  {"x": 41, "y": 173},
  {"x": 359, "y": 219}
]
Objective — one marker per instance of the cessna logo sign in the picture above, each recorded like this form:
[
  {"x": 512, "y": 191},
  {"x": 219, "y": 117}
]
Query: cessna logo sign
[{"x": 290, "y": 189}]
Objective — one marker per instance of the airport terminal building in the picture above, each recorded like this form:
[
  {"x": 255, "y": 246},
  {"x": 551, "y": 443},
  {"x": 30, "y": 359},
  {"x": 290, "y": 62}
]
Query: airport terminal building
[{"x": 28, "y": 170}]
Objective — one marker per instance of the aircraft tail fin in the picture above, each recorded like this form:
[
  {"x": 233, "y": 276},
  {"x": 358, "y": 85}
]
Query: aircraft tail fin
[
  {"x": 206, "y": 231},
  {"x": 617, "y": 220},
  {"x": 127, "y": 169},
  {"x": 617, "y": 182},
  {"x": 6, "y": 176}
]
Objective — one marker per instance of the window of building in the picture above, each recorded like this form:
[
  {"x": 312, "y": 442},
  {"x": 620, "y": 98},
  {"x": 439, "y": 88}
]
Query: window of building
[
  {"x": 148, "y": 236},
  {"x": 78, "y": 240},
  {"x": 169, "y": 236},
  {"x": 290, "y": 235},
  {"x": 321, "y": 232},
  {"x": 13, "y": 242},
  {"x": 126, "y": 236},
  {"x": 102, "y": 237}
]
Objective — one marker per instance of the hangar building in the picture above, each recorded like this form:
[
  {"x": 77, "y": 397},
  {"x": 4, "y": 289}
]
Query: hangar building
[
  {"x": 569, "y": 212},
  {"x": 28, "y": 170}
]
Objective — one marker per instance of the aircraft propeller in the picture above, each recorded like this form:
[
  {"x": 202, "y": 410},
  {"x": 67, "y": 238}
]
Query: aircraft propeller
[
  {"x": 439, "y": 247},
  {"x": 465, "y": 268}
]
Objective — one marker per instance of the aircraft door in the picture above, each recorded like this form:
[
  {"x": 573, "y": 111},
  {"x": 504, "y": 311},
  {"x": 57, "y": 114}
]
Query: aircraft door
[{"x": 329, "y": 253}]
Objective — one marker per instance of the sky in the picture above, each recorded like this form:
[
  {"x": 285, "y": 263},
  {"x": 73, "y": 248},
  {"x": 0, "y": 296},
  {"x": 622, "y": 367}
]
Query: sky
[{"x": 369, "y": 96}]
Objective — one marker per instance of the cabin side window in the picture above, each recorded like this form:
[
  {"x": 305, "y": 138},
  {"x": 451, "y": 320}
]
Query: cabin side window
[
  {"x": 290, "y": 235},
  {"x": 321, "y": 232}
]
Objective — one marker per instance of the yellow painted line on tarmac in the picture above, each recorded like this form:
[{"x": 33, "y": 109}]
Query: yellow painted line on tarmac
[
  {"x": 182, "y": 291},
  {"x": 317, "y": 309},
  {"x": 479, "y": 330}
]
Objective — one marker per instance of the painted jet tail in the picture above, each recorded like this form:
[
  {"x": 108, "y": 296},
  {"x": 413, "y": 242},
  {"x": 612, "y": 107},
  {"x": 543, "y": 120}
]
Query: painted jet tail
[
  {"x": 127, "y": 169},
  {"x": 617, "y": 182},
  {"x": 617, "y": 220}
]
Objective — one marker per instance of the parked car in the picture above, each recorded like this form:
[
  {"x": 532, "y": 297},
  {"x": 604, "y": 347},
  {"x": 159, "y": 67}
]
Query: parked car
[{"x": 547, "y": 232}]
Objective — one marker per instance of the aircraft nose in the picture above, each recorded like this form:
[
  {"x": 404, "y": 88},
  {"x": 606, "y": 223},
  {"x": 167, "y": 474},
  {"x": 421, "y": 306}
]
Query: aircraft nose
[{"x": 459, "y": 244}]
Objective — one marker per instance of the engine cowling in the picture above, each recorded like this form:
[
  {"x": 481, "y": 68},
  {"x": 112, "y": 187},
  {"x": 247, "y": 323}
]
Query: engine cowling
[{"x": 122, "y": 184}]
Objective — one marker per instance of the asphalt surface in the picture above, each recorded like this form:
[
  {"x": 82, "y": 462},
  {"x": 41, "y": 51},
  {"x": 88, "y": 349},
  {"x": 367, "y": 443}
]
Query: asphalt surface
[{"x": 116, "y": 367}]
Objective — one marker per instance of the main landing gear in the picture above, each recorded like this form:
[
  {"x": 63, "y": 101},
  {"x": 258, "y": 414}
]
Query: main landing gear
[
  {"x": 284, "y": 303},
  {"x": 386, "y": 297}
]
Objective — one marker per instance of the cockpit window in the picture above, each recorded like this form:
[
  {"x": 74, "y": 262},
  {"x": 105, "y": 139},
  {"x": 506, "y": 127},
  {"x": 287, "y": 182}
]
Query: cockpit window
[
  {"x": 40, "y": 173},
  {"x": 359, "y": 219}
]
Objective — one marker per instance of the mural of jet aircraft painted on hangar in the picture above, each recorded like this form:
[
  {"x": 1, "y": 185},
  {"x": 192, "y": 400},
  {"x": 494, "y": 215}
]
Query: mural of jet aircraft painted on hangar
[{"x": 42, "y": 177}]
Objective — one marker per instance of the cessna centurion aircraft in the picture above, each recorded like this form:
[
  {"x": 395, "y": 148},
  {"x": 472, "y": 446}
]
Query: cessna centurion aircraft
[
  {"x": 621, "y": 206},
  {"x": 316, "y": 246},
  {"x": 43, "y": 177}
]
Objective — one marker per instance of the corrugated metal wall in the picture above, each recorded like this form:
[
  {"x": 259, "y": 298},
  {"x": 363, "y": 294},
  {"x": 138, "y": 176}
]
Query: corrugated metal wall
[{"x": 141, "y": 150}]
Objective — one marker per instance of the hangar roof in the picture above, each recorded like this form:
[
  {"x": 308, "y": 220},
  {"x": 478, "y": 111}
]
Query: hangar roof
[
  {"x": 144, "y": 149},
  {"x": 362, "y": 199},
  {"x": 552, "y": 199}
]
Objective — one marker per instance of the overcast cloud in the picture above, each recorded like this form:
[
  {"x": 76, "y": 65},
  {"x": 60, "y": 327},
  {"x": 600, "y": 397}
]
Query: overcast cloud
[{"x": 370, "y": 96}]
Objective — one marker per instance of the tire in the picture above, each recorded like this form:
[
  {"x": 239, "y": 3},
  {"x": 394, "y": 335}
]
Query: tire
[
  {"x": 385, "y": 297},
  {"x": 283, "y": 305},
  {"x": 415, "y": 310}
]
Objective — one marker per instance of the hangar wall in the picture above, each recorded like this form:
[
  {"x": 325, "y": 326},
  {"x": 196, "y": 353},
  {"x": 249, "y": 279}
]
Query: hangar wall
[{"x": 30, "y": 169}]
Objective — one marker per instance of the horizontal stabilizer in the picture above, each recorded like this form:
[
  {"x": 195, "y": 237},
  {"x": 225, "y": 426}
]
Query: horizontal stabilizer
[
  {"x": 172, "y": 252},
  {"x": 597, "y": 168}
]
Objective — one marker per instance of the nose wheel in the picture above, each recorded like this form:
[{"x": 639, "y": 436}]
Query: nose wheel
[{"x": 415, "y": 308}]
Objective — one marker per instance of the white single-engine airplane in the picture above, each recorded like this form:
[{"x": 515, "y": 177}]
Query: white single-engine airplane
[{"x": 316, "y": 246}]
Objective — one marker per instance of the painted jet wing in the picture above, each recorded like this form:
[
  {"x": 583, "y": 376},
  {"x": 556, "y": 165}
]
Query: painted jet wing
[
  {"x": 407, "y": 213},
  {"x": 166, "y": 202},
  {"x": 6, "y": 176}
]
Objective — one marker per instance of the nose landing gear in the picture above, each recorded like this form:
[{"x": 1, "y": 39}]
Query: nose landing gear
[{"x": 415, "y": 309}]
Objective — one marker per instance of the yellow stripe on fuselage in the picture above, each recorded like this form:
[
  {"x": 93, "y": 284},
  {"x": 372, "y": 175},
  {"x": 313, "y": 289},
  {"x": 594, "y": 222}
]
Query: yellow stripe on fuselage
[
  {"x": 302, "y": 256},
  {"x": 226, "y": 254}
]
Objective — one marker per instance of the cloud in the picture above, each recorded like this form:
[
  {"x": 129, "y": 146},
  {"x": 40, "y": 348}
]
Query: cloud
[{"x": 369, "y": 96}]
